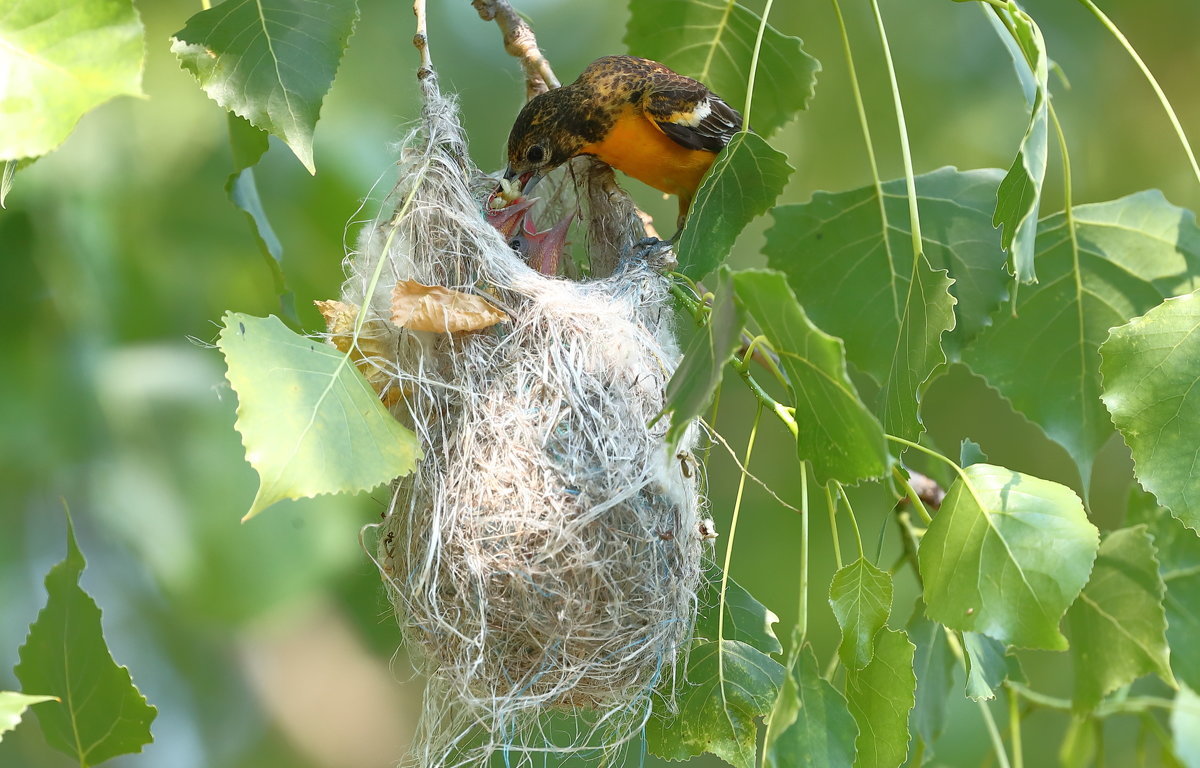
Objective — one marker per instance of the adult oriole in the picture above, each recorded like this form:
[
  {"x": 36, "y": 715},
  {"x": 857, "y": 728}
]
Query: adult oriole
[{"x": 634, "y": 114}]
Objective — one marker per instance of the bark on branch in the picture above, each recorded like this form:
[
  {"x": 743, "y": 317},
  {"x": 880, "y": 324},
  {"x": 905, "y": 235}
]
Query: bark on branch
[{"x": 519, "y": 41}]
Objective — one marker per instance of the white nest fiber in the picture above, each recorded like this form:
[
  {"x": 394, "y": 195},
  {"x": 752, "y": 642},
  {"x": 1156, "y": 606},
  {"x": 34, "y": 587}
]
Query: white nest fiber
[{"x": 544, "y": 558}]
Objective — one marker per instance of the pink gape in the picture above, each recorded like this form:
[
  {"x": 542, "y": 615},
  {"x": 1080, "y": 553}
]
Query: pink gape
[{"x": 541, "y": 250}]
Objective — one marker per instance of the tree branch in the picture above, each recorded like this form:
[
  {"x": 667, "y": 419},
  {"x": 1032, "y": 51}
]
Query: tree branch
[{"x": 520, "y": 42}]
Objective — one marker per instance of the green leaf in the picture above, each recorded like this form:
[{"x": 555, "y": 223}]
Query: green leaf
[
  {"x": 729, "y": 685},
  {"x": 743, "y": 183},
  {"x": 1078, "y": 748},
  {"x": 248, "y": 145},
  {"x": 861, "y": 597},
  {"x": 1019, "y": 195},
  {"x": 1044, "y": 357},
  {"x": 691, "y": 388},
  {"x": 1150, "y": 376},
  {"x": 987, "y": 666},
  {"x": 310, "y": 422},
  {"x": 810, "y": 726},
  {"x": 269, "y": 61},
  {"x": 1118, "y": 628},
  {"x": 837, "y": 433},
  {"x": 1185, "y": 727},
  {"x": 1179, "y": 566},
  {"x": 746, "y": 620},
  {"x": 713, "y": 42},
  {"x": 60, "y": 59},
  {"x": 933, "y": 664},
  {"x": 102, "y": 714},
  {"x": 970, "y": 453},
  {"x": 880, "y": 696},
  {"x": 13, "y": 706},
  {"x": 854, "y": 275},
  {"x": 1005, "y": 556}
]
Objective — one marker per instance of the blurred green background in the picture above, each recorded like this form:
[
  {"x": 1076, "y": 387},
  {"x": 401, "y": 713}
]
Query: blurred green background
[{"x": 270, "y": 643}]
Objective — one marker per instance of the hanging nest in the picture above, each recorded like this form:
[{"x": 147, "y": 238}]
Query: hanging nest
[{"x": 544, "y": 557}]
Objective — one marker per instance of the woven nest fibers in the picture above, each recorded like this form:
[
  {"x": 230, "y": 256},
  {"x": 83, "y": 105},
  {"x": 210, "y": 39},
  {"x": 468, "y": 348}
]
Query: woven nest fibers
[{"x": 544, "y": 558}]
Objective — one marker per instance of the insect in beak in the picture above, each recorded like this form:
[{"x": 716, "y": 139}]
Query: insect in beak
[{"x": 524, "y": 182}]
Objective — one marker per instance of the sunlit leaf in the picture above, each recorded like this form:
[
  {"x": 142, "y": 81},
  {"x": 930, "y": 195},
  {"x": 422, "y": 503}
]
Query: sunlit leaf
[
  {"x": 880, "y": 696},
  {"x": 933, "y": 664},
  {"x": 837, "y": 433},
  {"x": 746, "y": 620},
  {"x": 102, "y": 714},
  {"x": 742, "y": 184},
  {"x": 1025, "y": 542},
  {"x": 310, "y": 423},
  {"x": 861, "y": 597},
  {"x": 1150, "y": 388},
  {"x": 699, "y": 373},
  {"x": 1179, "y": 567},
  {"x": 13, "y": 706},
  {"x": 269, "y": 61},
  {"x": 420, "y": 307},
  {"x": 713, "y": 41},
  {"x": 729, "y": 685},
  {"x": 853, "y": 273},
  {"x": 1044, "y": 357},
  {"x": 1118, "y": 629},
  {"x": 810, "y": 726},
  {"x": 1020, "y": 193},
  {"x": 60, "y": 59}
]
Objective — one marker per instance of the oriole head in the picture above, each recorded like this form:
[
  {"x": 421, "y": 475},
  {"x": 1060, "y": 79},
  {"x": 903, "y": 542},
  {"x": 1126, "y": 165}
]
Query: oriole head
[{"x": 551, "y": 129}]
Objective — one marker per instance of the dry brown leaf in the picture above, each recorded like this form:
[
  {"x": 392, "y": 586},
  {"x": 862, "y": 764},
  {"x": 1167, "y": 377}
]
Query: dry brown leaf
[
  {"x": 372, "y": 343},
  {"x": 421, "y": 307}
]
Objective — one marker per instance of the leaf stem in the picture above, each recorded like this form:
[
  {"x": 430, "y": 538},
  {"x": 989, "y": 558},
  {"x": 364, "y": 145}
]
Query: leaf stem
[
  {"x": 1158, "y": 91},
  {"x": 909, "y": 179},
  {"x": 1014, "y": 728},
  {"x": 994, "y": 734},
  {"x": 913, "y": 497},
  {"x": 870, "y": 145},
  {"x": 1068, "y": 207},
  {"x": 853, "y": 520},
  {"x": 956, "y": 648},
  {"x": 737, "y": 507},
  {"x": 712, "y": 423},
  {"x": 1077, "y": 272},
  {"x": 698, "y": 308},
  {"x": 930, "y": 452},
  {"x": 802, "y": 622},
  {"x": 1128, "y": 706},
  {"x": 781, "y": 411},
  {"x": 831, "y": 504},
  {"x": 762, "y": 28},
  {"x": 911, "y": 544}
]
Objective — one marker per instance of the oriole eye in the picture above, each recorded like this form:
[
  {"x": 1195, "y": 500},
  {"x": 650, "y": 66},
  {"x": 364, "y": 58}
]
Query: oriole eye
[{"x": 535, "y": 154}]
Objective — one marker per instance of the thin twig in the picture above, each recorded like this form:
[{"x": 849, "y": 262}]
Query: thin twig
[
  {"x": 421, "y": 40},
  {"x": 520, "y": 42}
]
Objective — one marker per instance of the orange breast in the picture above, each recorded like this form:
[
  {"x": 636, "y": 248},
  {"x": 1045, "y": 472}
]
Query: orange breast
[{"x": 637, "y": 147}]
